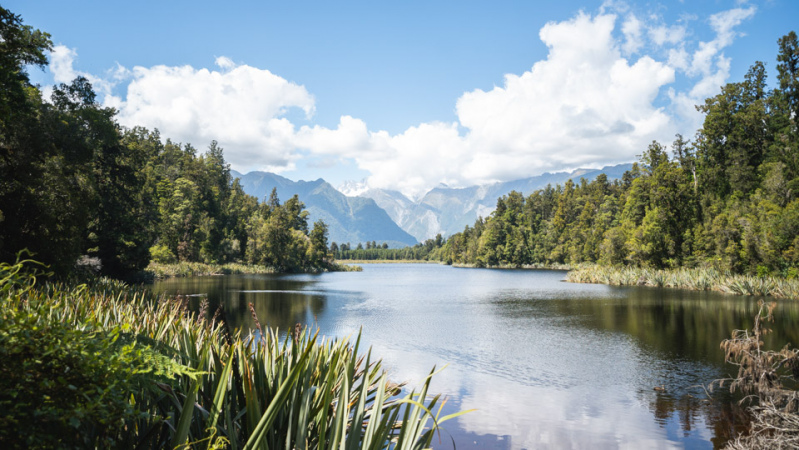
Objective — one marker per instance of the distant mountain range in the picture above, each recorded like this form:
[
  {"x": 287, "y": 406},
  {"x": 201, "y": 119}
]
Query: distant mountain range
[
  {"x": 448, "y": 210},
  {"x": 389, "y": 216},
  {"x": 349, "y": 219}
]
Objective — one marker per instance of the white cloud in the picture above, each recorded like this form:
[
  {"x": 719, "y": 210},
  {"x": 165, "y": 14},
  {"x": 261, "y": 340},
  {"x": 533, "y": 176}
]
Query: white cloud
[
  {"x": 707, "y": 64},
  {"x": 349, "y": 140},
  {"x": 584, "y": 105},
  {"x": 633, "y": 35},
  {"x": 242, "y": 107},
  {"x": 723, "y": 24},
  {"x": 663, "y": 35},
  {"x": 224, "y": 63},
  {"x": 62, "y": 61},
  {"x": 590, "y": 102}
]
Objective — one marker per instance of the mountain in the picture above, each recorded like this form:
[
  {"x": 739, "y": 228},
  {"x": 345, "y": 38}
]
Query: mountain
[
  {"x": 448, "y": 210},
  {"x": 353, "y": 188},
  {"x": 349, "y": 219}
]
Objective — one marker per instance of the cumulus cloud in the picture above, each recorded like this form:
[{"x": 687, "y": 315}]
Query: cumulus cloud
[
  {"x": 707, "y": 63},
  {"x": 633, "y": 35},
  {"x": 592, "y": 101},
  {"x": 240, "y": 106},
  {"x": 584, "y": 105},
  {"x": 62, "y": 66}
]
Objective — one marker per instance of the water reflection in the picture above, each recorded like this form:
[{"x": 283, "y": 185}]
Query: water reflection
[
  {"x": 547, "y": 364},
  {"x": 278, "y": 302}
]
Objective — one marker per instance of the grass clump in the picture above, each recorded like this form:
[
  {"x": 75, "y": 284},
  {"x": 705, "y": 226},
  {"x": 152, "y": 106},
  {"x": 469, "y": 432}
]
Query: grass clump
[
  {"x": 701, "y": 279},
  {"x": 157, "y": 271},
  {"x": 108, "y": 365}
]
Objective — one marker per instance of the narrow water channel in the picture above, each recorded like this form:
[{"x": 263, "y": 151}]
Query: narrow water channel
[{"x": 546, "y": 364}]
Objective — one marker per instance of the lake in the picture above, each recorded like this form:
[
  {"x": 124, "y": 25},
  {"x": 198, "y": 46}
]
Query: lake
[{"x": 546, "y": 364}]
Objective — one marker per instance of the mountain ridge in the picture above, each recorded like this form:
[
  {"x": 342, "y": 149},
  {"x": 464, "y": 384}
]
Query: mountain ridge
[
  {"x": 349, "y": 219},
  {"x": 448, "y": 210}
]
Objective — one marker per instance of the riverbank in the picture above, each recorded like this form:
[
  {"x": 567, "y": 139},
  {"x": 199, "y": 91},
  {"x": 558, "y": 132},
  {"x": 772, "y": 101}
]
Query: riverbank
[
  {"x": 697, "y": 279},
  {"x": 158, "y": 271},
  {"x": 523, "y": 267},
  {"x": 385, "y": 261}
]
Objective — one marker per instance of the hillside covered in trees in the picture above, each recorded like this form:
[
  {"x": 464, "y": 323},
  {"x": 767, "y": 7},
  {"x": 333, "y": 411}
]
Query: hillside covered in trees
[
  {"x": 75, "y": 184},
  {"x": 728, "y": 199}
]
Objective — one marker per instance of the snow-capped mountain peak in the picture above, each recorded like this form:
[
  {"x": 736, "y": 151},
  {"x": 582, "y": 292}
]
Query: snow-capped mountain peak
[{"x": 353, "y": 188}]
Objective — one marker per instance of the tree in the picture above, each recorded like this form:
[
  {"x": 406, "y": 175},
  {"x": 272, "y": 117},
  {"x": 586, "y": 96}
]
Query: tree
[
  {"x": 788, "y": 69},
  {"x": 318, "y": 248}
]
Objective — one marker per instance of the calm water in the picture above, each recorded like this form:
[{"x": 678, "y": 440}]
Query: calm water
[{"x": 547, "y": 364}]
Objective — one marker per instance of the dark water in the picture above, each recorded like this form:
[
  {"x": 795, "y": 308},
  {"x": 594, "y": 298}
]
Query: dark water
[{"x": 547, "y": 364}]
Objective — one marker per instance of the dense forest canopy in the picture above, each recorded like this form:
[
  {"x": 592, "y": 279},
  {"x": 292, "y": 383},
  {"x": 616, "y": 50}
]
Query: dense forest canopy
[
  {"x": 728, "y": 199},
  {"x": 74, "y": 183}
]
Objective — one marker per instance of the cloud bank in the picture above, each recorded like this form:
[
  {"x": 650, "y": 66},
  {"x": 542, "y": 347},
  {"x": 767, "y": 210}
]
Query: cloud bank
[{"x": 602, "y": 94}]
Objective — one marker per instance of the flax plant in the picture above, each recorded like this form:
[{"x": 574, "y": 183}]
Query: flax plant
[{"x": 195, "y": 384}]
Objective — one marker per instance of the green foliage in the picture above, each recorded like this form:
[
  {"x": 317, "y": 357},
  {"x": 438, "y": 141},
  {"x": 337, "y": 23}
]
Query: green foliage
[
  {"x": 375, "y": 252},
  {"x": 278, "y": 237},
  {"x": 74, "y": 183},
  {"x": 699, "y": 279},
  {"x": 110, "y": 366},
  {"x": 161, "y": 254},
  {"x": 71, "y": 384}
]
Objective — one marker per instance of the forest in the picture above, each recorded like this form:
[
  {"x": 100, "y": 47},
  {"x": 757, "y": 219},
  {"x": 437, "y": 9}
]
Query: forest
[
  {"x": 371, "y": 251},
  {"x": 728, "y": 199},
  {"x": 77, "y": 186}
]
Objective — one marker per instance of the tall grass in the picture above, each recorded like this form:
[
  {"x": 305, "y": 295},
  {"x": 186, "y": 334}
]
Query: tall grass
[
  {"x": 207, "y": 387},
  {"x": 700, "y": 279},
  {"x": 159, "y": 271}
]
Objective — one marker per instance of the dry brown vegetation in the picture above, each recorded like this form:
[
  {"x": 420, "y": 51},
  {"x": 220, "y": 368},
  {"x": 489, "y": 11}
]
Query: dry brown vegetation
[{"x": 767, "y": 378}]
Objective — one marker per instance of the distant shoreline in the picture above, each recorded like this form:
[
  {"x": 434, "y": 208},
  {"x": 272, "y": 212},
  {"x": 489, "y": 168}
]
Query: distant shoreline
[
  {"x": 385, "y": 261},
  {"x": 158, "y": 271}
]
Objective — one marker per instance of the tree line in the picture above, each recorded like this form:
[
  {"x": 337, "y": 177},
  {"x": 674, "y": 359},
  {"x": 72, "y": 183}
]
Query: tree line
[
  {"x": 74, "y": 183},
  {"x": 373, "y": 251},
  {"x": 728, "y": 199}
]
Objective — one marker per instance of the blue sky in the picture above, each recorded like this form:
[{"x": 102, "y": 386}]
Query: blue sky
[{"x": 411, "y": 94}]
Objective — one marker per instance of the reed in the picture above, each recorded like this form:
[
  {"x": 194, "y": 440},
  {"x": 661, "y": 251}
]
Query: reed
[
  {"x": 157, "y": 271},
  {"x": 701, "y": 279},
  {"x": 195, "y": 384}
]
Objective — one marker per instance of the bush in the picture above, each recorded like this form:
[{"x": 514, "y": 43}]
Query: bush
[
  {"x": 64, "y": 387},
  {"x": 161, "y": 254}
]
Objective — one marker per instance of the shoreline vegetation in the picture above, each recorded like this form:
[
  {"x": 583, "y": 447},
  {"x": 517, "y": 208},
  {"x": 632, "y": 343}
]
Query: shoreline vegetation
[
  {"x": 553, "y": 266},
  {"x": 136, "y": 370},
  {"x": 698, "y": 279},
  {"x": 385, "y": 261},
  {"x": 159, "y": 271},
  {"x": 695, "y": 279}
]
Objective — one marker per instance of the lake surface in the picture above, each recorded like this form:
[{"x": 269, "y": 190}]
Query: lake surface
[{"x": 547, "y": 364}]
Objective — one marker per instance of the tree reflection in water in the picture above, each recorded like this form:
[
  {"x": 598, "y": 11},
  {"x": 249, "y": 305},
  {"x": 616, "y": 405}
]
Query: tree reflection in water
[{"x": 279, "y": 302}]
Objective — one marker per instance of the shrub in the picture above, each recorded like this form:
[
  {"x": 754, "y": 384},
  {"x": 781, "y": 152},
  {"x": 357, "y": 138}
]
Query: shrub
[
  {"x": 61, "y": 387},
  {"x": 162, "y": 254}
]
